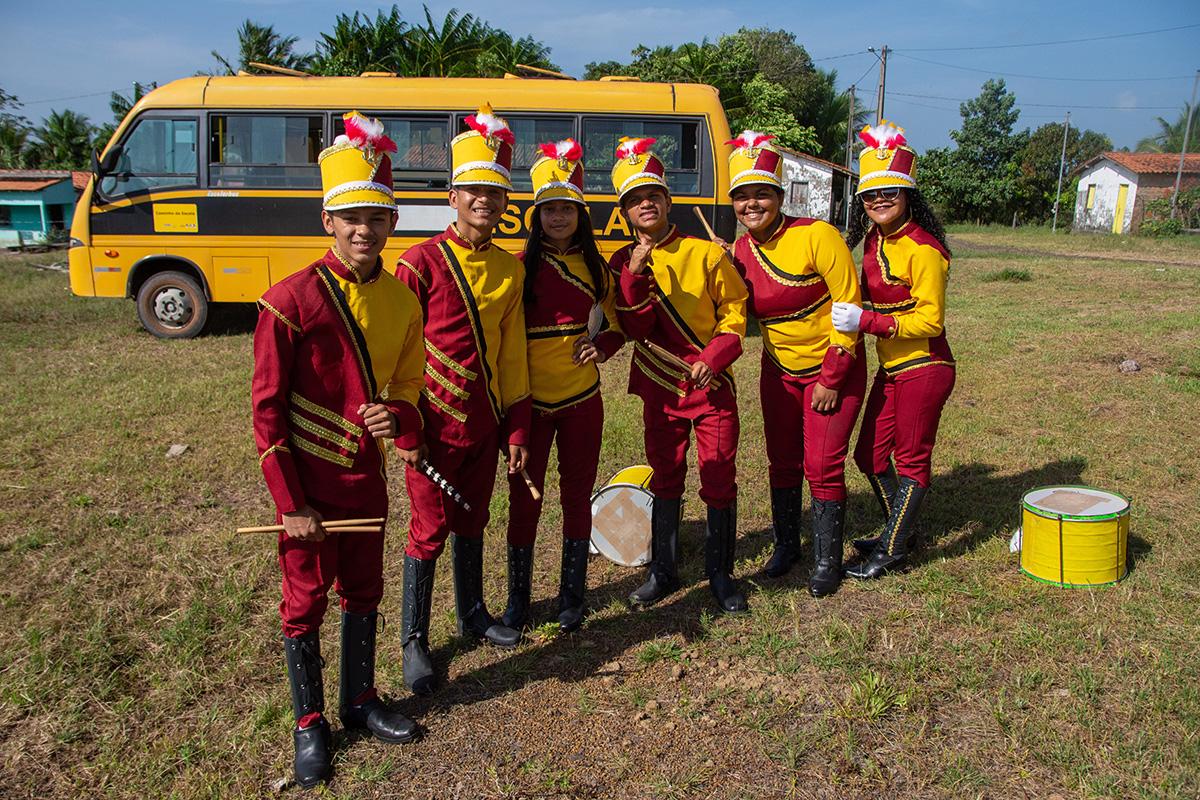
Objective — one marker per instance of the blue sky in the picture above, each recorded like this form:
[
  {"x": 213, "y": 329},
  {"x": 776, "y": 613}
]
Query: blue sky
[{"x": 73, "y": 57}]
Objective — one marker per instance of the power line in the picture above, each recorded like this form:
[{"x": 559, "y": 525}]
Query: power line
[
  {"x": 843, "y": 55},
  {"x": 1043, "y": 105},
  {"x": 1041, "y": 77},
  {"x": 1047, "y": 44}
]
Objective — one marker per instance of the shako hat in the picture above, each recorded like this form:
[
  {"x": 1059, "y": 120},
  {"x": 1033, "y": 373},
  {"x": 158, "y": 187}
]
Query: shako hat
[
  {"x": 483, "y": 155},
  {"x": 637, "y": 166},
  {"x": 887, "y": 160},
  {"x": 558, "y": 172},
  {"x": 754, "y": 160},
  {"x": 356, "y": 169}
]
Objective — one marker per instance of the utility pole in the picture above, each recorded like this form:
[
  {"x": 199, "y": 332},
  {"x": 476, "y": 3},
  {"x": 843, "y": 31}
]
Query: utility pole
[
  {"x": 846, "y": 197},
  {"x": 1187, "y": 132},
  {"x": 1062, "y": 163},
  {"x": 882, "y": 56}
]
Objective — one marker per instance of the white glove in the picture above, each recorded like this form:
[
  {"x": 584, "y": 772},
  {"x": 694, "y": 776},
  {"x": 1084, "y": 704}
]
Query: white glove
[{"x": 846, "y": 317}]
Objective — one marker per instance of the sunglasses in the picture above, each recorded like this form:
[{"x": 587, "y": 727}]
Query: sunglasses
[{"x": 875, "y": 195}]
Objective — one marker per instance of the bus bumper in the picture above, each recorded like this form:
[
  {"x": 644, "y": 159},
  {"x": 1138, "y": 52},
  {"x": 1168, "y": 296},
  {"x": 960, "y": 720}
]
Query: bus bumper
[{"x": 79, "y": 259}]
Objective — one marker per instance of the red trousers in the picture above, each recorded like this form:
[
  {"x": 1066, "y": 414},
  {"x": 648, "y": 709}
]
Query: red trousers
[
  {"x": 667, "y": 433},
  {"x": 471, "y": 470},
  {"x": 802, "y": 442},
  {"x": 901, "y": 421},
  {"x": 579, "y": 429},
  {"x": 352, "y": 563}
]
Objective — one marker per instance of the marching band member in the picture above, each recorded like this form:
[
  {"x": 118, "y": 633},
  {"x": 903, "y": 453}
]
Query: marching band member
[
  {"x": 337, "y": 369},
  {"x": 476, "y": 394},
  {"x": 682, "y": 297},
  {"x": 905, "y": 266},
  {"x": 565, "y": 279},
  {"x": 811, "y": 384}
]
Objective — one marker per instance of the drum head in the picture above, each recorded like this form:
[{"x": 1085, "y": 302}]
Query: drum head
[
  {"x": 621, "y": 524},
  {"x": 1075, "y": 502}
]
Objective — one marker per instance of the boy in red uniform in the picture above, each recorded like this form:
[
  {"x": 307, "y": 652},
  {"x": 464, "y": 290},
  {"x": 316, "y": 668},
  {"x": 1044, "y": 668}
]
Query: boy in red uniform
[
  {"x": 684, "y": 296},
  {"x": 476, "y": 395},
  {"x": 337, "y": 369}
]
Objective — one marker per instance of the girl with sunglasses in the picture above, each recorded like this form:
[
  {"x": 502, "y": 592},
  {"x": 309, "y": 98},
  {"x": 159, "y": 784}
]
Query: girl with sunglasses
[
  {"x": 811, "y": 384},
  {"x": 906, "y": 263},
  {"x": 567, "y": 284}
]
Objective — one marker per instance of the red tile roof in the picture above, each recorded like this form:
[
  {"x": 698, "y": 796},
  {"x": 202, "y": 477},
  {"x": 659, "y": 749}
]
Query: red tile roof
[
  {"x": 26, "y": 186},
  {"x": 1152, "y": 163},
  {"x": 79, "y": 179}
]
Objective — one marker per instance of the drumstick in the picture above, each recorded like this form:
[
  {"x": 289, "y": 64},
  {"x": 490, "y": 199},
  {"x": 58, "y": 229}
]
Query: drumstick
[
  {"x": 372, "y": 525},
  {"x": 533, "y": 490},
  {"x": 669, "y": 357},
  {"x": 427, "y": 469},
  {"x": 700, "y": 216}
]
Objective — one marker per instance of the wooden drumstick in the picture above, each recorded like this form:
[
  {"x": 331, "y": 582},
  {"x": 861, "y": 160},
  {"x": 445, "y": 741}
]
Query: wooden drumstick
[
  {"x": 668, "y": 356},
  {"x": 533, "y": 490},
  {"x": 372, "y": 525},
  {"x": 703, "y": 221}
]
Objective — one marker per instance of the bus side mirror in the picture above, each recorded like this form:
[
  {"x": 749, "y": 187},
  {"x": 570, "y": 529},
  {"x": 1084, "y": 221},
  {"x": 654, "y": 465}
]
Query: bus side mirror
[{"x": 103, "y": 166}]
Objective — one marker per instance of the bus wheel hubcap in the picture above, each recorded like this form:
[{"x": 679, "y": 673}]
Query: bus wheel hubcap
[{"x": 172, "y": 307}]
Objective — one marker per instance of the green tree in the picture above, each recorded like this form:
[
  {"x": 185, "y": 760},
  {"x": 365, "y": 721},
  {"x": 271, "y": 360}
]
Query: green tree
[
  {"x": 14, "y": 134},
  {"x": 64, "y": 141},
  {"x": 828, "y": 118},
  {"x": 1038, "y": 163},
  {"x": 767, "y": 113},
  {"x": 1169, "y": 138},
  {"x": 358, "y": 44},
  {"x": 120, "y": 105},
  {"x": 261, "y": 44},
  {"x": 506, "y": 54}
]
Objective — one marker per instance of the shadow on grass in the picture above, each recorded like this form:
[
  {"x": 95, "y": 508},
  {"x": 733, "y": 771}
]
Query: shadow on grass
[{"x": 231, "y": 319}]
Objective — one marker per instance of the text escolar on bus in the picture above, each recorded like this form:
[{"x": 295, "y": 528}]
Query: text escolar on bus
[{"x": 209, "y": 191}]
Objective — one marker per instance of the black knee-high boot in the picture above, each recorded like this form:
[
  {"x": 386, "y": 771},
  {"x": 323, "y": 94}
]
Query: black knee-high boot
[
  {"x": 786, "y": 508},
  {"x": 884, "y": 485},
  {"x": 313, "y": 763},
  {"x": 719, "y": 546},
  {"x": 520, "y": 578},
  {"x": 358, "y": 677},
  {"x": 473, "y": 617},
  {"x": 414, "y": 634},
  {"x": 664, "y": 544},
  {"x": 828, "y": 522},
  {"x": 572, "y": 583},
  {"x": 892, "y": 550}
]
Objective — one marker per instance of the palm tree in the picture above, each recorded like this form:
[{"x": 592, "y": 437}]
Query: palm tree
[
  {"x": 449, "y": 50},
  {"x": 504, "y": 54},
  {"x": 260, "y": 43},
  {"x": 830, "y": 115},
  {"x": 14, "y": 144},
  {"x": 64, "y": 141},
  {"x": 121, "y": 105},
  {"x": 1169, "y": 138},
  {"x": 357, "y": 45}
]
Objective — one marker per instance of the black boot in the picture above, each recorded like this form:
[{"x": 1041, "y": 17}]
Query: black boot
[
  {"x": 313, "y": 763},
  {"x": 664, "y": 543},
  {"x": 572, "y": 584},
  {"x": 520, "y": 575},
  {"x": 892, "y": 550},
  {"x": 473, "y": 617},
  {"x": 719, "y": 547},
  {"x": 358, "y": 677},
  {"x": 828, "y": 522},
  {"x": 414, "y": 634},
  {"x": 785, "y": 516},
  {"x": 884, "y": 485}
]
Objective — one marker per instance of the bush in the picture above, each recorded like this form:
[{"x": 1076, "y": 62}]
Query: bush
[
  {"x": 1008, "y": 275},
  {"x": 1161, "y": 227}
]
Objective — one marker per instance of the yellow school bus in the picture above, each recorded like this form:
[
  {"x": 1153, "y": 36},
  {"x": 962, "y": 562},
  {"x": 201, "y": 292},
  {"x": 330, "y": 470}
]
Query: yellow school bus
[{"x": 209, "y": 191}]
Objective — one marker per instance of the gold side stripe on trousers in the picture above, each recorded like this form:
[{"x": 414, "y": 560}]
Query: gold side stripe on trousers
[
  {"x": 325, "y": 453},
  {"x": 442, "y": 405},
  {"x": 444, "y": 382},
  {"x": 321, "y": 432},
  {"x": 325, "y": 414}
]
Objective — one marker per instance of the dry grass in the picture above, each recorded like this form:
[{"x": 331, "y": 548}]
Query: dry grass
[{"x": 142, "y": 654}]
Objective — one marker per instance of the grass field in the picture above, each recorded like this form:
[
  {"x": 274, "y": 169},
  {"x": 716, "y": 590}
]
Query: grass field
[{"x": 141, "y": 651}]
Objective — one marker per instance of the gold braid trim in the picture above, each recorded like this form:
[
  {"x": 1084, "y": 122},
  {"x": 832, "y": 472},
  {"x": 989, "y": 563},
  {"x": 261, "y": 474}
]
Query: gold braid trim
[
  {"x": 324, "y": 413},
  {"x": 323, "y": 432},
  {"x": 414, "y": 271},
  {"x": 669, "y": 387},
  {"x": 450, "y": 363},
  {"x": 279, "y": 315},
  {"x": 442, "y": 405},
  {"x": 321, "y": 452},
  {"x": 642, "y": 304},
  {"x": 461, "y": 394},
  {"x": 273, "y": 448}
]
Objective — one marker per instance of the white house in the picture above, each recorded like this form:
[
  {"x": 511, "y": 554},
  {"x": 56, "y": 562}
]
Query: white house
[
  {"x": 1115, "y": 187},
  {"x": 814, "y": 187}
]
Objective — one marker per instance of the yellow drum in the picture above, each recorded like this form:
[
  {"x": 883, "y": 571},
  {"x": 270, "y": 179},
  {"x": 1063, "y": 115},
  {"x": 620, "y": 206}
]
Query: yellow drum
[
  {"x": 621, "y": 517},
  {"x": 1074, "y": 536}
]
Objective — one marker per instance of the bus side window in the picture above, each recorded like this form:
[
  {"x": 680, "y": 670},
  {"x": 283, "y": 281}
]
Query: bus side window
[
  {"x": 264, "y": 151},
  {"x": 678, "y": 145},
  {"x": 422, "y": 157},
  {"x": 158, "y": 153}
]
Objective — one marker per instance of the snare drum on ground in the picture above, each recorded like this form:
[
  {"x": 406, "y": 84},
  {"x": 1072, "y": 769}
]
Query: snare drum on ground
[
  {"x": 1074, "y": 536},
  {"x": 621, "y": 517}
]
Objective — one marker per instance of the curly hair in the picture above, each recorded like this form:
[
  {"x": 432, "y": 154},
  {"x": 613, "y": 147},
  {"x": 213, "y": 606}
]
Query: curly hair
[
  {"x": 584, "y": 239},
  {"x": 918, "y": 211}
]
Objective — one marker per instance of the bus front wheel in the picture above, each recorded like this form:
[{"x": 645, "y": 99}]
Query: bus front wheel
[{"x": 172, "y": 305}]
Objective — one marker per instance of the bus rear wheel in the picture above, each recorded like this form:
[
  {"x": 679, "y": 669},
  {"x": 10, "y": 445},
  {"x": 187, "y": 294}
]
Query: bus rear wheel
[{"x": 172, "y": 305}]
